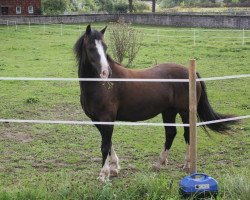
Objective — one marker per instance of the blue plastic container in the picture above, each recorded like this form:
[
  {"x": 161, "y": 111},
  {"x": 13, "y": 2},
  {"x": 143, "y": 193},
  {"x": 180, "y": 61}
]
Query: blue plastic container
[{"x": 198, "y": 185}]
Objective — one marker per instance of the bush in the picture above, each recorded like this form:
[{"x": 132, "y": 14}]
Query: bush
[
  {"x": 111, "y": 6},
  {"x": 140, "y": 6},
  {"x": 121, "y": 7},
  {"x": 108, "y": 6},
  {"x": 54, "y": 7},
  {"x": 124, "y": 41}
]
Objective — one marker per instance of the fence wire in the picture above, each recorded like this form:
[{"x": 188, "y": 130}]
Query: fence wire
[{"x": 219, "y": 100}]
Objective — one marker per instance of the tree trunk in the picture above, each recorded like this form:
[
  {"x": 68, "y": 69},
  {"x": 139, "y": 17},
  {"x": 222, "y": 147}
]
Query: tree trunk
[
  {"x": 130, "y": 5},
  {"x": 153, "y": 5}
]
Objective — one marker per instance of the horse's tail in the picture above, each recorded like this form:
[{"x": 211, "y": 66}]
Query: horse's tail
[{"x": 207, "y": 113}]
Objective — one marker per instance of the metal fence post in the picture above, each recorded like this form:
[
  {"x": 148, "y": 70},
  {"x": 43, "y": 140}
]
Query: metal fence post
[
  {"x": 194, "y": 38},
  {"x": 243, "y": 37},
  {"x": 61, "y": 29}
]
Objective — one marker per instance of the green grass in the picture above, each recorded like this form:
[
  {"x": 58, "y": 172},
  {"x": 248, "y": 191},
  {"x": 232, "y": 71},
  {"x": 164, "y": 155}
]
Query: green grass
[{"x": 63, "y": 161}]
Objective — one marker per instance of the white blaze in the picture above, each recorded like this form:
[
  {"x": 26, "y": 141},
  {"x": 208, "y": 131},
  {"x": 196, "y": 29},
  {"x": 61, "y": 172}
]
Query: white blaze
[{"x": 103, "y": 59}]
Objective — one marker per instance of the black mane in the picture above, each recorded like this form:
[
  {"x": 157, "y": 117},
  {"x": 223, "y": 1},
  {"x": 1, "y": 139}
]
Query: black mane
[{"x": 78, "y": 49}]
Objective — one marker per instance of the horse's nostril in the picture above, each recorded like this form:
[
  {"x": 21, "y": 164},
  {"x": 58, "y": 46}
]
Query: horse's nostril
[{"x": 104, "y": 74}]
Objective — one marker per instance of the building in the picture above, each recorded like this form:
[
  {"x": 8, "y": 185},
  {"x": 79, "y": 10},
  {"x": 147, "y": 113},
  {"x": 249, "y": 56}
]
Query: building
[{"x": 20, "y": 7}]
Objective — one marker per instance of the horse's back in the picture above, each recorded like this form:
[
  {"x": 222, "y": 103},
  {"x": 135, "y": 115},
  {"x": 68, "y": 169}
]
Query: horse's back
[
  {"x": 162, "y": 71},
  {"x": 143, "y": 100}
]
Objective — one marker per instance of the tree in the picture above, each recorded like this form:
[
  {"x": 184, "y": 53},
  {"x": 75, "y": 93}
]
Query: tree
[
  {"x": 54, "y": 7},
  {"x": 171, "y": 3},
  {"x": 153, "y": 5},
  {"x": 130, "y": 5},
  {"x": 73, "y": 5}
]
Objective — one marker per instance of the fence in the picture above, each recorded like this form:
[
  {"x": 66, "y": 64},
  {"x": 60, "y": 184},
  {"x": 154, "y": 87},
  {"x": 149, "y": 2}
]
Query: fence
[
  {"x": 192, "y": 107},
  {"x": 61, "y": 30},
  {"x": 8, "y": 23},
  {"x": 156, "y": 33}
]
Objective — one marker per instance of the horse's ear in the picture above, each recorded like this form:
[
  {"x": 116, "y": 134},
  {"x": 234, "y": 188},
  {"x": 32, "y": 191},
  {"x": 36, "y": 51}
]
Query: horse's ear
[
  {"x": 103, "y": 30},
  {"x": 88, "y": 29}
]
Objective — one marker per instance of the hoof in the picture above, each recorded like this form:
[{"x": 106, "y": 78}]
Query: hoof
[
  {"x": 104, "y": 176},
  {"x": 159, "y": 165},
  {"x": 185, "y": 168},
  {"x": 114, "y": 169},
  {"x": 114, "y": 172},
  {"x": 103, "y": 179}
]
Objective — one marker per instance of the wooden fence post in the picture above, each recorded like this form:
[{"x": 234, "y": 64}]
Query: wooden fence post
[{"x": 192, "y": 117}]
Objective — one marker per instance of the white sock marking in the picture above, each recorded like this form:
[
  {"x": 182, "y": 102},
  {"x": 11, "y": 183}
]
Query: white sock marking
[
  {"x": 105, "y": 171},
  {"x": 162, "y": 160},
  {"x": 163, "y": 155},
  {"x": 187, "y": 159},
  {"x": 114, "y": 163}
]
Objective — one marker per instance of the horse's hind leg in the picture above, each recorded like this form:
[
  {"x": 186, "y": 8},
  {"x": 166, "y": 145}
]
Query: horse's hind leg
[
  {"x": 170, "y": 133},
  {"x": 185, "y": 119}
]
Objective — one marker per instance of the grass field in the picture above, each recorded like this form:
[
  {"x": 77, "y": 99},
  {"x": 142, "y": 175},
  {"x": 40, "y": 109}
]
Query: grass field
[{"x": 42, "y": 161}]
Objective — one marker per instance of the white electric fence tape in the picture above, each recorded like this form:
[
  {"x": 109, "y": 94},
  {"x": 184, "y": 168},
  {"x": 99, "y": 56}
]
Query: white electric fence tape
[
  {"x": 117, "y": 123},
  {"x": 89, "y": 122},
  {"x": 222, "y": 120},
  {"x": 120, "y": 79}
]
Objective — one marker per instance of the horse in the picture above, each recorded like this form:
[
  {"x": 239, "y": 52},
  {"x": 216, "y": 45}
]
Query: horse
[{"x": 135, "y": 101}]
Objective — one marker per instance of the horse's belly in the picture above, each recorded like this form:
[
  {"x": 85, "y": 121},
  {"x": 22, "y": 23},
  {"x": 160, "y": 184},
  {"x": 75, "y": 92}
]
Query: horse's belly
[{"x": 140, "y": 112}]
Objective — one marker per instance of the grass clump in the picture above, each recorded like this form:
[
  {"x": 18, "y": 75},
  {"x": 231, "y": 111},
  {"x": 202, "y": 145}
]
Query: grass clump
[
  {"x": 32, "y": 100},
  {"x": 236, "y": 186}
]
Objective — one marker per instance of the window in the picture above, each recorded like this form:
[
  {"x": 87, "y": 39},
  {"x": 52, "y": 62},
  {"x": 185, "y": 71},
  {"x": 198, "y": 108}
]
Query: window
[
  {"x": 30, "y": 10},
  {"x": 18, "y": 10},
  {"x": 5, "y": 10}
]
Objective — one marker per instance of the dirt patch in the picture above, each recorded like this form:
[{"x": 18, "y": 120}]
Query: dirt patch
[
  {"x": 47, "y": 165},
  {"x": 42, "y": 167},
  {"x": 2, "y": 169},
  {"x": 64, "y": 112},
  {"x": 16, "y": 136},
  {"x": 224, "y": 162},
  {"x": 52, "y": 164}
]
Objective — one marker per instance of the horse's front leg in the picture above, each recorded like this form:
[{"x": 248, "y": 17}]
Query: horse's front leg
[
  {"x": 106, "y": 133},
  {"x": 114, "y": 163},
  {"x": 110, "y": 161}
]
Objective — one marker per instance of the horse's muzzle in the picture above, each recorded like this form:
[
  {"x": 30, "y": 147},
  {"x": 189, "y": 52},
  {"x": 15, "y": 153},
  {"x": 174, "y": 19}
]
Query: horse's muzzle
[{"x": 106, "y": 73}]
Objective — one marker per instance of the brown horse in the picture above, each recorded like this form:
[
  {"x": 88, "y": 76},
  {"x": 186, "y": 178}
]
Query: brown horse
[{"x": 135, "y": 101}]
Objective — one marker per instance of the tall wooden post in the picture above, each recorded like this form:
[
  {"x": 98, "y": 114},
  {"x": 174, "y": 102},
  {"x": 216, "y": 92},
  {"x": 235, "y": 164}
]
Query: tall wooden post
[{"x": 192, "y": 117}]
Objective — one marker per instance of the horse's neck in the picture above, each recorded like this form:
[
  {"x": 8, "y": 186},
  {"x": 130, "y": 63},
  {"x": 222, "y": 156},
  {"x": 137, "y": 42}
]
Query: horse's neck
[{"x": 118, "y": 71}]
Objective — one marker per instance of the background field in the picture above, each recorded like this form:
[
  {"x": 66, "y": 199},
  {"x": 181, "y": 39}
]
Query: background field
[{"x": 63, "y": 161}]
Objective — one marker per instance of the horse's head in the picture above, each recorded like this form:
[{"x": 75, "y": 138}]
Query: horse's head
[{"x": 95, "y": 51}]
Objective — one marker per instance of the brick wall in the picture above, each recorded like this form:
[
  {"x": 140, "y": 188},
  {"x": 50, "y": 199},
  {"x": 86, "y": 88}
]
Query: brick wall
[{"x": 9, "y": 6}]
